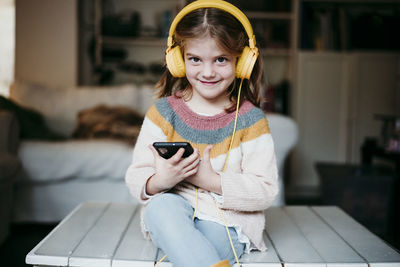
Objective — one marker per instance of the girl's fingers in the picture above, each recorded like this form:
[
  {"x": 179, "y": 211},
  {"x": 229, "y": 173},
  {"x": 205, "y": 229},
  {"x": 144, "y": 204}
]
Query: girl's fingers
[
  {"x": 192, "y": 158},
  {"x": 192, "y": 165},
  {"x": 153, "y": 150},
  {"x": 178, "y": 155},
  {"x": 206, "y": 153},
  {"x": 190, "y": 173}
]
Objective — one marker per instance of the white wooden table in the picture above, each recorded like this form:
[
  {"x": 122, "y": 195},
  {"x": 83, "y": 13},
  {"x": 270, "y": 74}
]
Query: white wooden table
[{"x": 108, "y": 234}]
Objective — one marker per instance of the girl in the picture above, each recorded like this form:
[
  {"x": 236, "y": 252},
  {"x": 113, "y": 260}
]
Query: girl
[{"x": 206, "y": 209}]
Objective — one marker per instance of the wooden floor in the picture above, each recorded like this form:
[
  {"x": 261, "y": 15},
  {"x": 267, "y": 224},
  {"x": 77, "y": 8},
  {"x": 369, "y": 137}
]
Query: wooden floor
[{"x": 22, "y": 239}]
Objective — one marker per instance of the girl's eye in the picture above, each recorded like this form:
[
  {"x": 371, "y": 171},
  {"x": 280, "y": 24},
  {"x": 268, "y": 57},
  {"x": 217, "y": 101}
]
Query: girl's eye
[
  {"x": 194, "y": 59},
  {"x": 222, "y": 59}
]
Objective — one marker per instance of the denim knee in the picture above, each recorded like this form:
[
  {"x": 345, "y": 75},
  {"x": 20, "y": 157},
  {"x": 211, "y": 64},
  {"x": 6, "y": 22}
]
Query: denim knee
[
  {"x": 165, "y": 215},
  {"x": 165, "y": 207},
  {"x": 162, "y": 205}
]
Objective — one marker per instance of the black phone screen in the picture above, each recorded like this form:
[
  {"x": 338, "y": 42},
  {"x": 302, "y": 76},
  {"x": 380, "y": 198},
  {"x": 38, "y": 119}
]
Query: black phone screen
[{"x": 168, "y": 149}]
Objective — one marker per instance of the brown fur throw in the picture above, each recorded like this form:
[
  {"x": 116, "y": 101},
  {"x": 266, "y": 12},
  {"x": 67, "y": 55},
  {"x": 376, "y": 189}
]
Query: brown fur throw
[{"x": 109, "y": 122}]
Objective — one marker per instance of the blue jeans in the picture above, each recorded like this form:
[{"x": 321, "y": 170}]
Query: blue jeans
[{"x": 198, "y": 243}]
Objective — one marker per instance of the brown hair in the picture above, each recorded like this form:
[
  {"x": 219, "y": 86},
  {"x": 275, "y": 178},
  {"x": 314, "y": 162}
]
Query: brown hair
[{"x": 230, "y": 35}]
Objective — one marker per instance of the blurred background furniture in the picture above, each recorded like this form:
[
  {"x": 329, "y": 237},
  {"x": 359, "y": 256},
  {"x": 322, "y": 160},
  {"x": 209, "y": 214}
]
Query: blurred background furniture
[
  {"x": 62, "y": 172},
  {"x": 9, "y": 168},
  {"x": 284, "y": 131},
  {"x": 366, "y": 192}
]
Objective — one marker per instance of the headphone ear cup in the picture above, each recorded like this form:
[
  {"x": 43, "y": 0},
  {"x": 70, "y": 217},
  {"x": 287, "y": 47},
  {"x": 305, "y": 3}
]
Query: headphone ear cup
[
  {"x": 175, "y": 62},
  {"x": 246, "y": 62}
]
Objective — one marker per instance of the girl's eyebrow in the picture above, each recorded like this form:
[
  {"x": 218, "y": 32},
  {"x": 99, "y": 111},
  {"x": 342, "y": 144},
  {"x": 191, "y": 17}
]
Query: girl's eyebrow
[
  {"x": 191, "y": 55},
  {"x": 194, "y": 55}
]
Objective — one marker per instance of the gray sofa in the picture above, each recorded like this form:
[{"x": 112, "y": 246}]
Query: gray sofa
[{"x": 58, "y": 175}]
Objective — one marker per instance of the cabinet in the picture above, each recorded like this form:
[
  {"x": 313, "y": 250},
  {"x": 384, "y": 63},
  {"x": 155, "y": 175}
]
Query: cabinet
[
  {"x": 375, "y": 90},
  {"x": 320, "y": 109},
  {"x": 348, "y": 69},
  {"x": 337, "y": 95},
  {"x": 274, "y": 24}
]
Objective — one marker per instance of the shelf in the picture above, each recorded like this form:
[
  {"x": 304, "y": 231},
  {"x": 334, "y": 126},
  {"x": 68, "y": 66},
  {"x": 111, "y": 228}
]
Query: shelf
[
  {"x": 155, "y": 42},
  {"x": 274, "y": 24},
  {"x": 275, "y": 52},
  {"x": 139, "y": 41},
  {"x": 349, "y": 25},
  {"x": 269, "y": 15}
]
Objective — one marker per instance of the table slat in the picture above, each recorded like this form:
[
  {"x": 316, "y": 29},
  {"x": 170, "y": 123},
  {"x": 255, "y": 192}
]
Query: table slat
[
  {"x": 329, "y": 245},
  {"x": 56, "y": 247},
  {"x": 369, "y": 246},
  {"x": 99, "y": 245},
  {"x": 291, "y": 245},
  {"x": 268, "y": 258},
  {"x": 134, "y": 250}
]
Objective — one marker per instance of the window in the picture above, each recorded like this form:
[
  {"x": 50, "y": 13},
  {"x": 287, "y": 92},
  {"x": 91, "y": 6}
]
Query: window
[{"x": 7, "y": 44}]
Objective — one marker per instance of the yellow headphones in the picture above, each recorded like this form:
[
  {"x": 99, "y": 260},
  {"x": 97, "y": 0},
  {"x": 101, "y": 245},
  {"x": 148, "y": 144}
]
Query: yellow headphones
[{"x": 247, "y": 59}]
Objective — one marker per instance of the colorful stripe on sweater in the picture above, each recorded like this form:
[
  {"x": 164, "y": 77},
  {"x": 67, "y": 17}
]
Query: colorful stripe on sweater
[{"x": 179, "y": 123}]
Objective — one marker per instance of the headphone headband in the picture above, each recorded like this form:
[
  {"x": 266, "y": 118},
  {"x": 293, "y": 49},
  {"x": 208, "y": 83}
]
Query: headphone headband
[{"x": 223, "y": 5}]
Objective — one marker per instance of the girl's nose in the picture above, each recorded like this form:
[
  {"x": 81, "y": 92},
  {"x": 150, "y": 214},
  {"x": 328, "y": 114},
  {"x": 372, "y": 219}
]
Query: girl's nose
[{"x": 208, "y": 70}]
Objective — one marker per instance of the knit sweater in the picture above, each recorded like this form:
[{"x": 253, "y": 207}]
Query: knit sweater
[{"x": 249, "y": 183}]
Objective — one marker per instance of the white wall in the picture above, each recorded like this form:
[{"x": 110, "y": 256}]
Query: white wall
[
  {"x": 46, "y": 42},
  {"x": 7, "y": 45}
]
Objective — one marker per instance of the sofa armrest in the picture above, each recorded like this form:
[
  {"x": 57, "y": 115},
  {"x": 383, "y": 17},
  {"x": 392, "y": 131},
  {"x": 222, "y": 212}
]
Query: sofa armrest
[
  {"x": 9, "y": 132},
  {"x": 284, "y": 132}
]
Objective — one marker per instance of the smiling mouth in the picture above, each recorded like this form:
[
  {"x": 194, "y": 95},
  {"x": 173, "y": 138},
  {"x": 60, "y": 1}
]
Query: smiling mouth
[{"x": 208, "y": 82}]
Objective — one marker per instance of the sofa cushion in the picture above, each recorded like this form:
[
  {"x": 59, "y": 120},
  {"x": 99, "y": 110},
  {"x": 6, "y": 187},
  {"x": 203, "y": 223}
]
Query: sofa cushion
[
  {"x": 60, "y": 106},
  {"x": 76, "y": 159}
]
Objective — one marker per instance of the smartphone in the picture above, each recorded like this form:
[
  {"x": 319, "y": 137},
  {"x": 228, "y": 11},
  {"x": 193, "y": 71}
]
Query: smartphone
[{"x": 168, "y": 149}]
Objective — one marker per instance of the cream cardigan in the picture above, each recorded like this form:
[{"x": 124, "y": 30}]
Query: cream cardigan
[{"x": 249, "y": 185}]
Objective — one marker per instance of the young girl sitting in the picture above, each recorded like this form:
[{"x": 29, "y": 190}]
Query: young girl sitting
[{"x": 207, "y": 209}]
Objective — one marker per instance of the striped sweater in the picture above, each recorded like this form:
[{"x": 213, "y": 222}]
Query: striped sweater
[{"x": 249, "y": 184}]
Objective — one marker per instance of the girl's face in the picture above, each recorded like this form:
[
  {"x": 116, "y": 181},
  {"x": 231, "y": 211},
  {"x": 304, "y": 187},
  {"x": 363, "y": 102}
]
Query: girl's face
[{"x": 209, "y": 70}]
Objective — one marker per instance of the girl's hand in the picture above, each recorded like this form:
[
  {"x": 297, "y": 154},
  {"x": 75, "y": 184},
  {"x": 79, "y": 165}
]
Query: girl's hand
[
  {"x": 206, "y": 177},
  {"x": 172, "y": 171}
]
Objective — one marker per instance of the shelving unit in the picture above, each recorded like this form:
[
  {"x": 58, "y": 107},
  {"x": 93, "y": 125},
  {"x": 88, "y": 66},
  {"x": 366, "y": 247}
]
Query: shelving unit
[
  {"x": 279, "y": 54},
  {"x": 103, "y": 40},
  {"x": 275, "y": 24},
  {"x": 339, "y": 25},
  {"x": 140, "y": 41}
]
